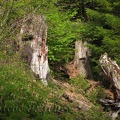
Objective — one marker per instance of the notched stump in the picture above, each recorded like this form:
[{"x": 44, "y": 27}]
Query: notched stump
[
  {"x": 27, "y": 38},
  {"x": 33, "y": 48},
  {"x": 26, "y": 54}
]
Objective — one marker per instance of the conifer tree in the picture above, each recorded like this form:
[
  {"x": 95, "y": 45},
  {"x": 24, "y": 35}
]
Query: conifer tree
[{"x": 100, "y": 26}]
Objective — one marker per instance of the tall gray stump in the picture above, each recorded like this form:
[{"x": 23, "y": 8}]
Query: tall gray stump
[
  {"x": 32, "y": 41},
  {"x": 81, "y": 60}
]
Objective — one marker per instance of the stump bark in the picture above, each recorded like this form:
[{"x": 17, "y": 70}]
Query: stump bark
[
  {"x": 33, "y": 48},
  {"x": 112, "y": 71},
  {"x": 81, "y": 60}
]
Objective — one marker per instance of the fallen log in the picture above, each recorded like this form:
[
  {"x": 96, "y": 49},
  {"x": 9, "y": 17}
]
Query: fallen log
[{"x": 112, "y": 71}]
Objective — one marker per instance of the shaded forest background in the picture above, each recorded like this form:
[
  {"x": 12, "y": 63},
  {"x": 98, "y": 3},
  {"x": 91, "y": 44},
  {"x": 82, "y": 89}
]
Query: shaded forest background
[{"x": 94, "y": 21}]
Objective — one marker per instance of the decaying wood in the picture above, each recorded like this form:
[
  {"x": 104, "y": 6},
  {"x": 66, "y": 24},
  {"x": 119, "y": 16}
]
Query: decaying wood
[
  {"x": 33, "y": 48},
  {"x": 112, "y": 71},
  {"x": 109, "y": 94},
  {"x": 81, "y": 60},
  {"x": 71, "y": 70}
]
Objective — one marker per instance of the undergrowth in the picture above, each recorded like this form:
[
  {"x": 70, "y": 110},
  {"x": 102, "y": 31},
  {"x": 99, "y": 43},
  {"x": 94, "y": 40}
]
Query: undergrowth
[
  {"x": 81, "y": 83},
  {"x": 22, "y": 97}
]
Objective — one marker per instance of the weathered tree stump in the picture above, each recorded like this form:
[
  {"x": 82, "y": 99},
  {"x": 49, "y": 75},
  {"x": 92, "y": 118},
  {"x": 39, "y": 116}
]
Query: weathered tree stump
[
  {"x": 112, "y": 71},
  {"x": 81, "y": 60},
  {"x": 33, "y": 48}
]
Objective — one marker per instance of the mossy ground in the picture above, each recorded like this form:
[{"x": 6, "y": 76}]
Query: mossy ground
[{"x": 23, "y": 97}]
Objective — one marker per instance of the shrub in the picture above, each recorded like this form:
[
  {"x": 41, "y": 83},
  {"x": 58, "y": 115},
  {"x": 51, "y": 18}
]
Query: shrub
[
  {"x": 80, "y": 82},
  {"x": 96, "y": 95}
]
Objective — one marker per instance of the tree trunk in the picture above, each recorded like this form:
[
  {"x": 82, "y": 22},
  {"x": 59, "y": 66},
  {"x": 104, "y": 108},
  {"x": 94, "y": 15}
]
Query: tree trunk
[
  {"x": 33, "y": 48},
  {"x": 112, "y": 71},
  {"x": 81, "y": 61}
]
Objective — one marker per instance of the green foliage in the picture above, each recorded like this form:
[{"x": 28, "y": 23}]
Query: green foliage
[
  {"x": 100, "y": 27},
  {"x": 60, "y": 37},
  {"x": 107, "y": 20},
  {"x": 61, "y": 32},
  {"x": 96, "y": 95},
  {"x": 80, "y": 82},
  {"x": 102, "y": 32},
  {"x": 49, "y": 116},
  {"x": 96, "y": 113},
  {"x": 114, "y": 43},
  {"x": 77, "y": 7},
  {"x": 116, "y": 8},
  {"x": 24, "y": 98},
  {"x": 20, "y": 97}
]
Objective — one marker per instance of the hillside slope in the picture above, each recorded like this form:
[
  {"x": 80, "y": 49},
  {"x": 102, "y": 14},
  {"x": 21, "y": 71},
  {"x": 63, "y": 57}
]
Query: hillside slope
[{"x": 24, "y": 97}]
